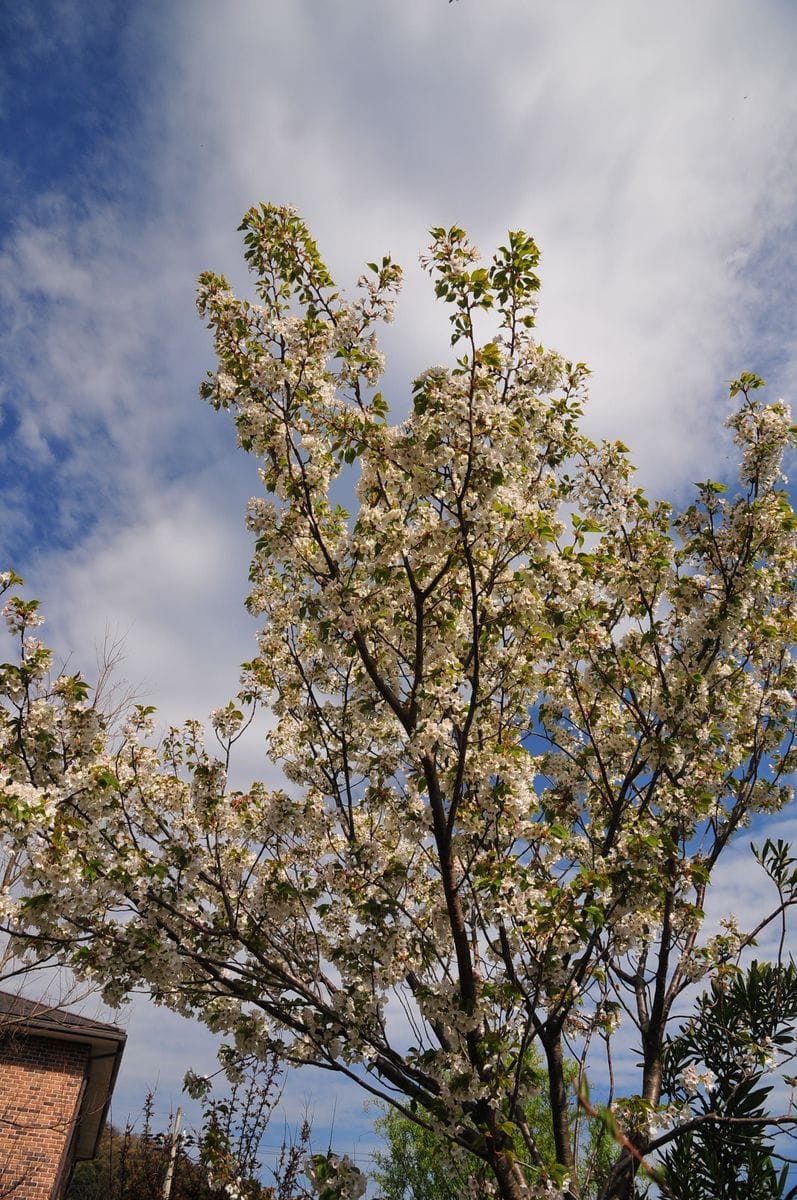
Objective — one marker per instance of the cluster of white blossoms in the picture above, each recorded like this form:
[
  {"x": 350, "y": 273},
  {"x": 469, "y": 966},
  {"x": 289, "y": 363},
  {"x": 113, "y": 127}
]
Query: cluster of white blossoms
[
  {"x": 521, "y": 709},
  {"x": 692, "y": 1079},
  {"x": 227, "y": 721},
  {"x": 335, "y": 1178}
]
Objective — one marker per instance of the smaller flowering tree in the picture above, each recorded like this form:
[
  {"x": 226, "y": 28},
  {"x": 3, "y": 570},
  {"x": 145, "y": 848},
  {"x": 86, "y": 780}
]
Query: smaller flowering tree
[
  {"x": 233, "y": 1127},
  {"x": 522, "y": 711}
]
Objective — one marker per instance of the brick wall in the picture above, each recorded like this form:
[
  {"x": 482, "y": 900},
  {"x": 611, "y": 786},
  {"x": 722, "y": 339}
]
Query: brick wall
[{"x": 40, "y": 1087}]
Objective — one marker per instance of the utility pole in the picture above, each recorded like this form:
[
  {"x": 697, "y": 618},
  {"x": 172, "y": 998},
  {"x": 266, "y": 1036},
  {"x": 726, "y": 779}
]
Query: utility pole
[{"x": 175, "y": 1138}]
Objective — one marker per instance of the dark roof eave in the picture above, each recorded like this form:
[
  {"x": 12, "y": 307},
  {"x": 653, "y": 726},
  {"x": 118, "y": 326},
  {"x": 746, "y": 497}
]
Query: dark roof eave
[{"x": 105, "y": 1042}]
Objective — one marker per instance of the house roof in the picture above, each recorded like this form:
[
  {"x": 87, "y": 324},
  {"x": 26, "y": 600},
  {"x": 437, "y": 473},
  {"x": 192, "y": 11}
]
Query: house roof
[{"x": 19, "y": 1015}]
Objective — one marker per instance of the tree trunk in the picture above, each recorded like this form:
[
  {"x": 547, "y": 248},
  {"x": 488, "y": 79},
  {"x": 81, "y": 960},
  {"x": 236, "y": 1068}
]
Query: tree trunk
[
  {"x": 509, "y": 1177},
  {"x": 620, "y": 1184},
  {"x": 560, "y": 1117}
]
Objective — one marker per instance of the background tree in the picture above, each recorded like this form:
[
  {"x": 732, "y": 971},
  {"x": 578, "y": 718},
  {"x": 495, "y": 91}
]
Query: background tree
[
  {"x": 132, "y": 1165},
  {"x": 522, "y": 710},
  {"x": 419, "y": 1164},
  {"x": 218, "y": 1161}
]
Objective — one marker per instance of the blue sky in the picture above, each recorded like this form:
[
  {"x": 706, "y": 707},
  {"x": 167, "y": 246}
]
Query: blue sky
[{"x": 650, "y": 149}]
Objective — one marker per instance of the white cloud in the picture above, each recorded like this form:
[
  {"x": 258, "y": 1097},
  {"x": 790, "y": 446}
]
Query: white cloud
[
  {"x": 742, "y": 889},
  {"x": 171, "y": 586},
  {"x": 649, "y": 152}
]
